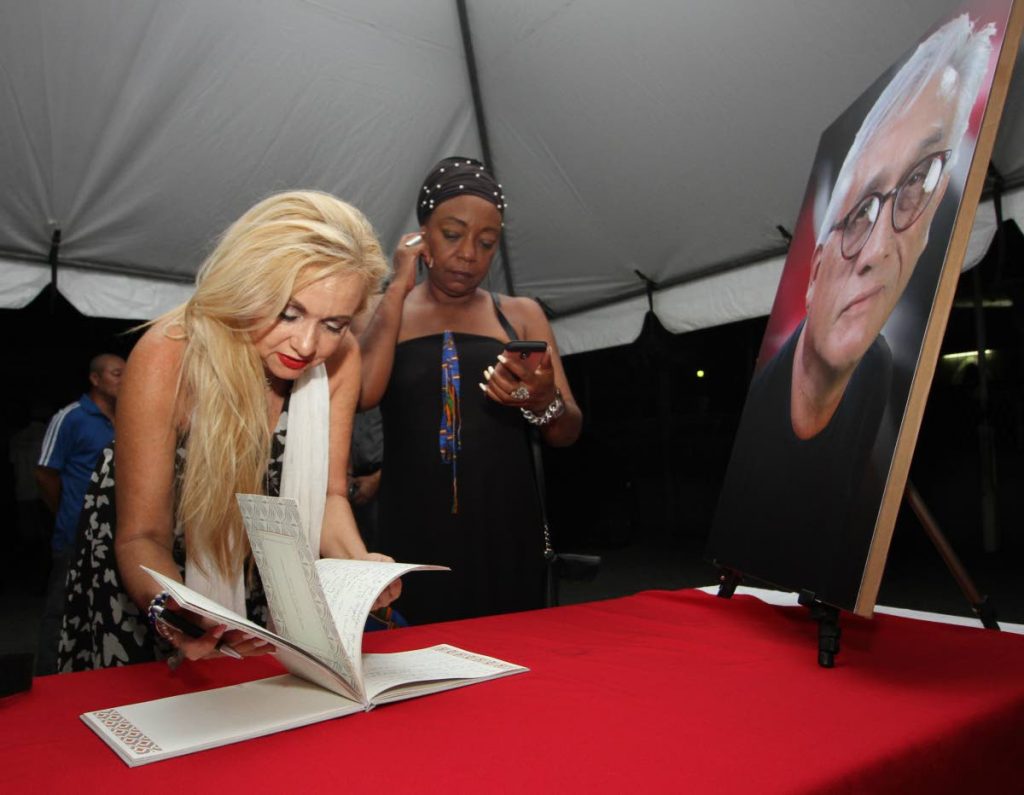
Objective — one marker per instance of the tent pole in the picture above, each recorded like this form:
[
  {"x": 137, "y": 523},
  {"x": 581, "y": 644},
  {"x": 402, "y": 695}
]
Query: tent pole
[
  {"x": 54, "y": 259},
  {"x": 481, "y": 125}
]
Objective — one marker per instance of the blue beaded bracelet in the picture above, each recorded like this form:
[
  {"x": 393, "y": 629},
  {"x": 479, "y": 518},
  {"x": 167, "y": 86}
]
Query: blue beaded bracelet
[{"x": 156, "y": 604}]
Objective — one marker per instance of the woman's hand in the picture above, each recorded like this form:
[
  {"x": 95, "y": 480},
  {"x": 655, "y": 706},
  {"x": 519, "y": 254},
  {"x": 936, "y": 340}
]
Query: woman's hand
[
  {"x": 216, "y": 641},
  {"x": 410, "y": 248},
  {"x": 512, "y": 383},
  {"x": 394, "y": 589}
]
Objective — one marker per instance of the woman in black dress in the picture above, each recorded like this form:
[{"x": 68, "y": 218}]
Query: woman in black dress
[{"x": 458, "y": 486}]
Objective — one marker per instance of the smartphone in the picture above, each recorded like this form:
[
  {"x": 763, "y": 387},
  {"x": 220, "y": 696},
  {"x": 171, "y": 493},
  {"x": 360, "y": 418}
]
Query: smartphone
[
  {"x": 179, "y": 622},
  {"x": 526, "y": 352}
]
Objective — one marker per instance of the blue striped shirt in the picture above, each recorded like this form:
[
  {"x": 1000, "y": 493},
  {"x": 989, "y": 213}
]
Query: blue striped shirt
[{"x": 74, "y": 440}]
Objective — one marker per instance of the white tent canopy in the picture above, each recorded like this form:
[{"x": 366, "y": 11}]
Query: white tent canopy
[{"x": 663, "y": 137}]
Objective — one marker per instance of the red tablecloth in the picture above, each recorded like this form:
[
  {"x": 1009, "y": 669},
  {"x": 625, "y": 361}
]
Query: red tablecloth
[{"x": 659, "y": 692}]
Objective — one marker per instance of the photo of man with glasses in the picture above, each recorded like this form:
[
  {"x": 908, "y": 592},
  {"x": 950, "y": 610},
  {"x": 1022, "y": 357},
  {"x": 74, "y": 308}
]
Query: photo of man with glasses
[{"x": 804, "y": 483}]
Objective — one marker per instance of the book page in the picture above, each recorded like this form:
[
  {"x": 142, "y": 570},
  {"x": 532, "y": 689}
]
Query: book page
[
  {"x": 293, "y": 656},
  {"x": 392, "y": 677},
  {"x": 351, "y": 587},
  {"x": 196, "y": 602},
  {"x": 297, "y": 602}
]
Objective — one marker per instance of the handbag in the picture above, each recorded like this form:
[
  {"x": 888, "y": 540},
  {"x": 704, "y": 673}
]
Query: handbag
[{"x": 559, "y": 565}]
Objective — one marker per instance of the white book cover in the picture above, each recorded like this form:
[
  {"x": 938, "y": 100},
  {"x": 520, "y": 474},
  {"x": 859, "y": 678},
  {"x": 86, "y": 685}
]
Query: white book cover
[{"x": 318, "y": 610}]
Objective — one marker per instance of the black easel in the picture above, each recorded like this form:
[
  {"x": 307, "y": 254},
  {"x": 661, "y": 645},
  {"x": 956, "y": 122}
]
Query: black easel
[
  {"x": 829, "y": 630},
  {"x": 827, "y": 616},
  {"x": 728, "y": 579}
]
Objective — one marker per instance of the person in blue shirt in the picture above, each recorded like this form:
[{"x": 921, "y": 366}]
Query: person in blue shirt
[{"x": 74, "y": 440}]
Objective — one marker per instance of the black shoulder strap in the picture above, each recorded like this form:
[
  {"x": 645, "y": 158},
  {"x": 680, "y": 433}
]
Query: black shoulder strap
[
  {"x": 534, "y": 436},
  {"x": 509, "y": 329}
]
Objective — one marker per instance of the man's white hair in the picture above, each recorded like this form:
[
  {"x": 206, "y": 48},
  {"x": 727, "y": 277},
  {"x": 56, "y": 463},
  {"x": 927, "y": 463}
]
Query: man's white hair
[{"x": 958, "y": 56}]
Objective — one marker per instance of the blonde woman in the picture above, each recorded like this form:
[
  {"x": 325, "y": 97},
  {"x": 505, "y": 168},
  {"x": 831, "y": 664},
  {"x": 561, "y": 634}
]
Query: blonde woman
[{"x": 250, "y": 386}]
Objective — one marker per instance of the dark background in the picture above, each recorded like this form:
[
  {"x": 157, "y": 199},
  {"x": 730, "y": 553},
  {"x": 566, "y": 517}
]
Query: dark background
[{"x": 640, "y": 486}]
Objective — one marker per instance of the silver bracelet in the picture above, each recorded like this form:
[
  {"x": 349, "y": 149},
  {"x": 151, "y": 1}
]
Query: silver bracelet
[{"x": 555, "y": 410}]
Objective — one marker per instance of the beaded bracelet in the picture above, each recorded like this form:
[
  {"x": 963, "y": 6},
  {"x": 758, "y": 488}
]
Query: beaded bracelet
[{"x": 156, "y": 604}]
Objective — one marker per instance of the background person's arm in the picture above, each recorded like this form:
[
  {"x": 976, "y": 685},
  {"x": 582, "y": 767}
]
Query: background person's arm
[
  {"x": 379, "y": 325},
  {"x": 48, "y": 481},
  {"x": 52, "y": 459}
]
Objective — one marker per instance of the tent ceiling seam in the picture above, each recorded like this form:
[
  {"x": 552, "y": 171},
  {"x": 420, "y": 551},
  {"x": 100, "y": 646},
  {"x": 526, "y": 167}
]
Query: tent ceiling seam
[
  {"x": 711, "y": 270},
  {"x": 481, "y": 125},
  {"x": 727, "y": 265}
]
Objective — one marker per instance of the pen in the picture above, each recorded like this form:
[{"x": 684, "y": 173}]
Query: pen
[{"x": 179, "y": 622}]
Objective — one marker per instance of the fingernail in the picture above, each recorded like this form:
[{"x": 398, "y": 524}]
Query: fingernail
[
  {"x": 501, "y": 358},
  {"x": 482, "y": 387},
  {"x": 488, "y": 373}
]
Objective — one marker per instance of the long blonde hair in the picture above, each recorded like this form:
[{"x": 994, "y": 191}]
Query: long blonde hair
[{"x": 280, "y": 246}]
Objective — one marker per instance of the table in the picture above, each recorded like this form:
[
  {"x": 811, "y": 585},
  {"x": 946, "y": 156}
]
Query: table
[{"x": 664, "y": 691}]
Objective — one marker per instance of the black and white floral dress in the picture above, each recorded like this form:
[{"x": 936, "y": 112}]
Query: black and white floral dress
[{"x": 102, "y": 626}]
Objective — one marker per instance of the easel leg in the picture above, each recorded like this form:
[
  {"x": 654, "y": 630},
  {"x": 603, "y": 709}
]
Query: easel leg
[
  {"x": 828, "y": 628},
  {"x": 828, "y": 634},
  {"x": 984, "y": 609},
  {"x": 728, "y": 579}
]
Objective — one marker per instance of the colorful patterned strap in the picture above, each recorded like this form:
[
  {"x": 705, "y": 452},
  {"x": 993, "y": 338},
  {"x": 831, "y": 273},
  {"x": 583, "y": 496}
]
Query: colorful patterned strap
[{"x": 451, "y": 412}]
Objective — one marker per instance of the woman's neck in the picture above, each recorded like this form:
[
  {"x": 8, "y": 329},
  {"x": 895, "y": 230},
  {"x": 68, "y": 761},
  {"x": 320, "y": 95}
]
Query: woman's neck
[{"x": 278, "y": 386}]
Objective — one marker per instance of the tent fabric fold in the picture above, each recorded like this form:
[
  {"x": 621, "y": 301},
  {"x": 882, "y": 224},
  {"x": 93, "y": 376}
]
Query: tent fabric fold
[{"x": 662, "y": 137}]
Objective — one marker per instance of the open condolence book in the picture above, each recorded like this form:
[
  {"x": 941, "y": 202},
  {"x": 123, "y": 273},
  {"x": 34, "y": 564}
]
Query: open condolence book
[{"x": 319, "y": 609}]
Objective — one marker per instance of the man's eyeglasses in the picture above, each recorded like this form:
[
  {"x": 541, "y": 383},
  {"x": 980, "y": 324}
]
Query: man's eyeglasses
[{"x": 910, "y": 198}]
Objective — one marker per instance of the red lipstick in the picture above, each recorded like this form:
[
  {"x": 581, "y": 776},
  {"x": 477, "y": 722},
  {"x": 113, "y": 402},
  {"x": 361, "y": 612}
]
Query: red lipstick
[{"x": 290, "y": 363}]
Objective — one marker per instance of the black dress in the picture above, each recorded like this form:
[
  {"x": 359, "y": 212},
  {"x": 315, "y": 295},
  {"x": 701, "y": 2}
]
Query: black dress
[
  {"x": 800, "y": 513},
  {"x": 102, "y": 626},
  {"x": 494, "y": 543}
]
